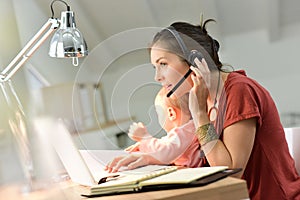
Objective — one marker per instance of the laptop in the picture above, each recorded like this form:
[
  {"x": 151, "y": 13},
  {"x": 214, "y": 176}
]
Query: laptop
[{"x": 85, "y": 167}]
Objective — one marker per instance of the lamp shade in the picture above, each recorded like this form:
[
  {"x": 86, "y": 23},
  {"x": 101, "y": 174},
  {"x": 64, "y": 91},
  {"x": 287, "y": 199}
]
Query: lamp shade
[{"x": 67, "y": 41}]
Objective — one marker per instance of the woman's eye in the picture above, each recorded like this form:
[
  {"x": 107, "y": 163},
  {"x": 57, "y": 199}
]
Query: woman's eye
[{"x": 162, "y": 64}]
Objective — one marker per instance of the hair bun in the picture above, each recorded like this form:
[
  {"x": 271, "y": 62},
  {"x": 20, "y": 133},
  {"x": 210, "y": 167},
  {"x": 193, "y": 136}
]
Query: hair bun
[{"x": 216, "y": 45}]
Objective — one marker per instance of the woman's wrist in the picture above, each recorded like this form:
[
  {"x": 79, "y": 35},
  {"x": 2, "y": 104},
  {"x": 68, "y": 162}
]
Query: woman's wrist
[
  {"x": 200, "y": 119},
  {"x": 206, "y": 133}
]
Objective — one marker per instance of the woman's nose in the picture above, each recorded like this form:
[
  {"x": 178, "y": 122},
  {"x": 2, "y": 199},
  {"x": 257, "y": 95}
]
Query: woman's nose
[{"x": 158, "y": 75}]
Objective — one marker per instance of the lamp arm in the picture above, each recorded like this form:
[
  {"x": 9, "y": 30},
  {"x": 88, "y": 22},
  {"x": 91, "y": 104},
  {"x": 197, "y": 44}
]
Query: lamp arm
[{"x": 27, "y": 51}]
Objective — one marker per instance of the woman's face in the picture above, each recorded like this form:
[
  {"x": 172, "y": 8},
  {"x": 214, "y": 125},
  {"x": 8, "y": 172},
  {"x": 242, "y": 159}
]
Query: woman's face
[{"x": 169, "y": 70}]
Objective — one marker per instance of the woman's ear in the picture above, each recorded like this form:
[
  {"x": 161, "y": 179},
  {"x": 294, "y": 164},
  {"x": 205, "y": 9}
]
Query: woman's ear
[{"x": 171, "y": 113}]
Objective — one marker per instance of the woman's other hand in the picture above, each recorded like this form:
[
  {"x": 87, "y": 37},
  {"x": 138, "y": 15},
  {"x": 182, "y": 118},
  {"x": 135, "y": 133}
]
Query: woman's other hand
[
  {"x": 131, "y": 161},
  {"x": 133, "y": 148}
]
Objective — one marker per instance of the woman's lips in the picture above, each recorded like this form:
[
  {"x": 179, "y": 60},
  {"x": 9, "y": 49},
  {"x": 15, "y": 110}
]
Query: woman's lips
[{"x": 168, "y": 87}]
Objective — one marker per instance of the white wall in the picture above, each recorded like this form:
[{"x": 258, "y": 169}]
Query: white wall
[{"x": 274, "y": 64}]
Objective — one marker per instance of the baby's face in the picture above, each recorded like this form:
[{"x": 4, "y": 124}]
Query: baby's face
[{"x": 162, "y": 115}]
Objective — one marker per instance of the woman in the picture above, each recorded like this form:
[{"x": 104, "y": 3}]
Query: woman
[{"x": 236, "y": 119}]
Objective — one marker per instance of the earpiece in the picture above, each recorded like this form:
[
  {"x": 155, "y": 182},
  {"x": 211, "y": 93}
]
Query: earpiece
[{"x": 190, "y": 56}]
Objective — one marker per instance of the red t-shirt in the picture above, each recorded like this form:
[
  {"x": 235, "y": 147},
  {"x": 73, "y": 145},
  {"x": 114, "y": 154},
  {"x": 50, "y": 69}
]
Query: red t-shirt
[{"x": 270, "y": 172}]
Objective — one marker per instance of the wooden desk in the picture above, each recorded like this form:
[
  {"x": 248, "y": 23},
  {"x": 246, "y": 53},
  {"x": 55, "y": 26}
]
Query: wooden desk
[{"x": 228, "y": 188}]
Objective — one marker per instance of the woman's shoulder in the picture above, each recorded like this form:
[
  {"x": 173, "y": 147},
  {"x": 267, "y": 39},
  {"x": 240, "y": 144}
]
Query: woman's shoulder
[
  {"x": 239, "y": 79},
  {"x": 237, "y": 75}
]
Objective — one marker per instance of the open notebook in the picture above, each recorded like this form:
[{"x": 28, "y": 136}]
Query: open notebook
[
  {"x": 85, "y": 167},
  {"x": 168, "y": 178}
]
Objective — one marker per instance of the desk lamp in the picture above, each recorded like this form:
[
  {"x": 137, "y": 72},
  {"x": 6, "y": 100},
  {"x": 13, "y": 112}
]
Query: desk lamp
[{"x": 67, "y": 42}]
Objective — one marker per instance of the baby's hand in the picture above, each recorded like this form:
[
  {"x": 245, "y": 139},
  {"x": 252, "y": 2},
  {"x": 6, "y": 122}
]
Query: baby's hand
[{"x": 138, "y": 132}]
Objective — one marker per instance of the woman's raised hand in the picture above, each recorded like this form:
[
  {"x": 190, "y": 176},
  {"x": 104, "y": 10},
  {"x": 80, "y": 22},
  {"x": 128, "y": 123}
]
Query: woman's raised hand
[
  {"x": 203, "y": 70},
  {"x": 199, "y": 93}
]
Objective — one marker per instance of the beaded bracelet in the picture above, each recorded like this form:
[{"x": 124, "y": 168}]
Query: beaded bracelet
[{"x": 206, "y": 133}]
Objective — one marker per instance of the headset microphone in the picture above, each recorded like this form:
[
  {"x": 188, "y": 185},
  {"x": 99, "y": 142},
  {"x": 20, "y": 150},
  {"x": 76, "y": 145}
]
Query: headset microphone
[{"x": 190, "y": 57}]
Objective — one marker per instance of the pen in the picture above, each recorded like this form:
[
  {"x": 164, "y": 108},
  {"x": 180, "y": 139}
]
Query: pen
[{"x": 107, "y": 178}]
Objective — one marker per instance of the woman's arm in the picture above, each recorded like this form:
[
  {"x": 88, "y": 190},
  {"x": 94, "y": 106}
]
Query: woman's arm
[
  {"x": 235, "y": 150},
  {"x": 238, "y": 138}
]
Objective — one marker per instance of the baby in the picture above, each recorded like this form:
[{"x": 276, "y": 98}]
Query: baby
[{"x": 180, "y": 146}]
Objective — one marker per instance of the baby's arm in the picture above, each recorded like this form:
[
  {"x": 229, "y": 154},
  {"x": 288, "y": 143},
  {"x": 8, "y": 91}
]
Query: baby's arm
[
  {"x": 138, "y": 132},
  {"x": 168, "y": 148}
]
